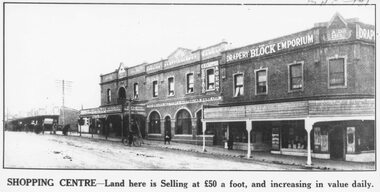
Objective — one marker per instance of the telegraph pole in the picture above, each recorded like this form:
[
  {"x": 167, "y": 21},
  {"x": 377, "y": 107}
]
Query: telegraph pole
[{"x": 63, "y": 84}]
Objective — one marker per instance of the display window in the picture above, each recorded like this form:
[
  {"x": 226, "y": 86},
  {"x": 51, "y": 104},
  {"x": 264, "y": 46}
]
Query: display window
[{"x": 294, "y": 135}]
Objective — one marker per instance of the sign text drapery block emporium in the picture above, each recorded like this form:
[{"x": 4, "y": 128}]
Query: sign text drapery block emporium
[
  {"x": 365, "y": 33},
  {"x": 270, "y": 47}
]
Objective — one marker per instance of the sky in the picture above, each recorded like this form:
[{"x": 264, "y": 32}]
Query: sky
[{"x": 46, "y": 43}]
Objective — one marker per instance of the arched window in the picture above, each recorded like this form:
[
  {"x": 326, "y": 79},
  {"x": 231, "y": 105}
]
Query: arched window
[
  {"x": 122, "y": 94},
  {"x": 108, "y": 95},
  {"x": 183, "y": 122},
  {"x": 154, "y": 123}
]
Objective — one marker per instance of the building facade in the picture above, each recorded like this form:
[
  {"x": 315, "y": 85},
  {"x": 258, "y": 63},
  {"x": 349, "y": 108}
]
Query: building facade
[
  {"x": 165, "y": 96},
  {"x": 311, "y": 93}
]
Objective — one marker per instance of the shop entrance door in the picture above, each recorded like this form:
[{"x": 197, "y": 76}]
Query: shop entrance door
[{"x": 336, "y": 143}]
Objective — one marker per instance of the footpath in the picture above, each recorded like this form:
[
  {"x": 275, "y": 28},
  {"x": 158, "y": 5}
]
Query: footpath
[{"x": 317, "y": 164}]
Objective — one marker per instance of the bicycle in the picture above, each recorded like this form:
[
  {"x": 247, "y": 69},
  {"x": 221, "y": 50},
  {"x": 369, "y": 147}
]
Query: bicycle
[{"x": 136, "y": 141}]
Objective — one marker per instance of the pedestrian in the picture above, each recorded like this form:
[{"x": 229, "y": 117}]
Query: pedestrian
[
  {"x": 66, "y": 129},
  {"x": 167, "y": 137},
  {"x": 130, "y": 138},
  {"x": 230, "y": 142}
]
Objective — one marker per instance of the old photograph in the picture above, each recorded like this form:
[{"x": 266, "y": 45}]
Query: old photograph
[{"x": 97, "y": 86}]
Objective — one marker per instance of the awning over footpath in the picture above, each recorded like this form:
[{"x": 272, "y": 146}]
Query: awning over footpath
[
  {"x": 293, "y": 110},
  {"x": 102, "y": 112}
]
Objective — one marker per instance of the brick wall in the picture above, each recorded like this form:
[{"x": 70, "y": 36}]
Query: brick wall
[{"x": 360, "y": 73}]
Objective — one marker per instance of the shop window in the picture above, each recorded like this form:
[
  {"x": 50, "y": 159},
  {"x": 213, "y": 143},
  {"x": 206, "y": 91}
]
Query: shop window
[
  {"x": 296, "y": 76},
  {"x": 155, "y": 88},
  {"x": 210, "y": 79},
  {"x": 190, "y": 83},
  {"x": 261, "y": 81},
  {"x": 337, "y": 72},
  {"x": 294, "y": 135},
  {"x": 366, "y": 136},
  {"x": 171, "y": 86},
  {"x": 108, "y": 95},
  {"x": 238, "y": 85},
  {"x": 136, "y": 90}
]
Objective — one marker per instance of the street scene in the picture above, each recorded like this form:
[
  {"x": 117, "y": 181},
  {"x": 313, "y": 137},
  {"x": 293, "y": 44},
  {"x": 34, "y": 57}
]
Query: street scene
[{"x": 151, "y": 87}]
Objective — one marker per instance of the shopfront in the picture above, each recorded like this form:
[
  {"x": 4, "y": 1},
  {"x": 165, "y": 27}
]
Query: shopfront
[
  {"x": 110, "y": 121},
  {"x": 315, "y": 128}
]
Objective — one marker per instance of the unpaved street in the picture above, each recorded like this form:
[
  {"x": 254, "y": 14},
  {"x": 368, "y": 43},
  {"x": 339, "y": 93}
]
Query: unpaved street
[{"x": 28, "y": 150}]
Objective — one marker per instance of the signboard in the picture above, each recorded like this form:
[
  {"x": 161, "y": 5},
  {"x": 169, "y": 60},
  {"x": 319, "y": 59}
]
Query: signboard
[
  {"x": 111, "y": 109},
  {"x": 200, "y": 100},
  {"x": 350, "y": 139},
  {"x": 317, "y": 139},
  {"x": 153, "y": 67},
  {"x": 274, "y": 46},
  {"x": 365, "y": 33},
  {"x": 276, "y": 138},
  {"x": 338, "y": 34}
]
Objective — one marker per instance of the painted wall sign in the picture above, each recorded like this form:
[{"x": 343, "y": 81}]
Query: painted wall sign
[
  {"x": 338, "y": 34},
  {"x": 110, "y": 109},
  {"x": 209, "y": 64},
  {"x": 365, "y": 33},
  {"x": 274, "y": 46},
  {"x": 199, "y": 100},
  {"x": 154, "y": 67}
]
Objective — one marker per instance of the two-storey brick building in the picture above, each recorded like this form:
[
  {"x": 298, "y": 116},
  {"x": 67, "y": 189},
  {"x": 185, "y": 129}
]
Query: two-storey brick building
[
  {"x": 311, "y": 93},
  {"x": 167, "y": 96}
]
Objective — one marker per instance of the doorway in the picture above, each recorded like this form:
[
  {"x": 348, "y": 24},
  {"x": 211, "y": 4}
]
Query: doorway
[{"x": 336, "y": 140}]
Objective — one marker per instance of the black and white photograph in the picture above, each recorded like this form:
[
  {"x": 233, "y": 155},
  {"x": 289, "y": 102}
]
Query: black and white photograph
[{"x": 168, "y": 87}]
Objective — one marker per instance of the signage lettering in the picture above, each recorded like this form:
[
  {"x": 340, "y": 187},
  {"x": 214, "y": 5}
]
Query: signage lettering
[
  {"x": 365, "y": 33},
  {"x": 213, "y": 51},
  {"x": 267, "y": 49},
  {"x": 185, "y": 102},
  {"x": 209, "y": 64},
  {"x": 153, "y": 67}
]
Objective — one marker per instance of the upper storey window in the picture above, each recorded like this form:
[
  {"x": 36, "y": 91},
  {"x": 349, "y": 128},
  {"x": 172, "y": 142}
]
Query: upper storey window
[
  {"x": 210, "y": 79},
  {"x": 108, "y": 95},
  {"x": 238, "y": 85},
  {"x": 171, "y": 86},
  {"x": 190, "y": 83},
  {"x": 295, "y": 76},
  {"x": 136, "y": 90},
  {"x": 337, "y": 73},
  {"x": 261, "y": 81},
  {"x": 155, "y": 88}
]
